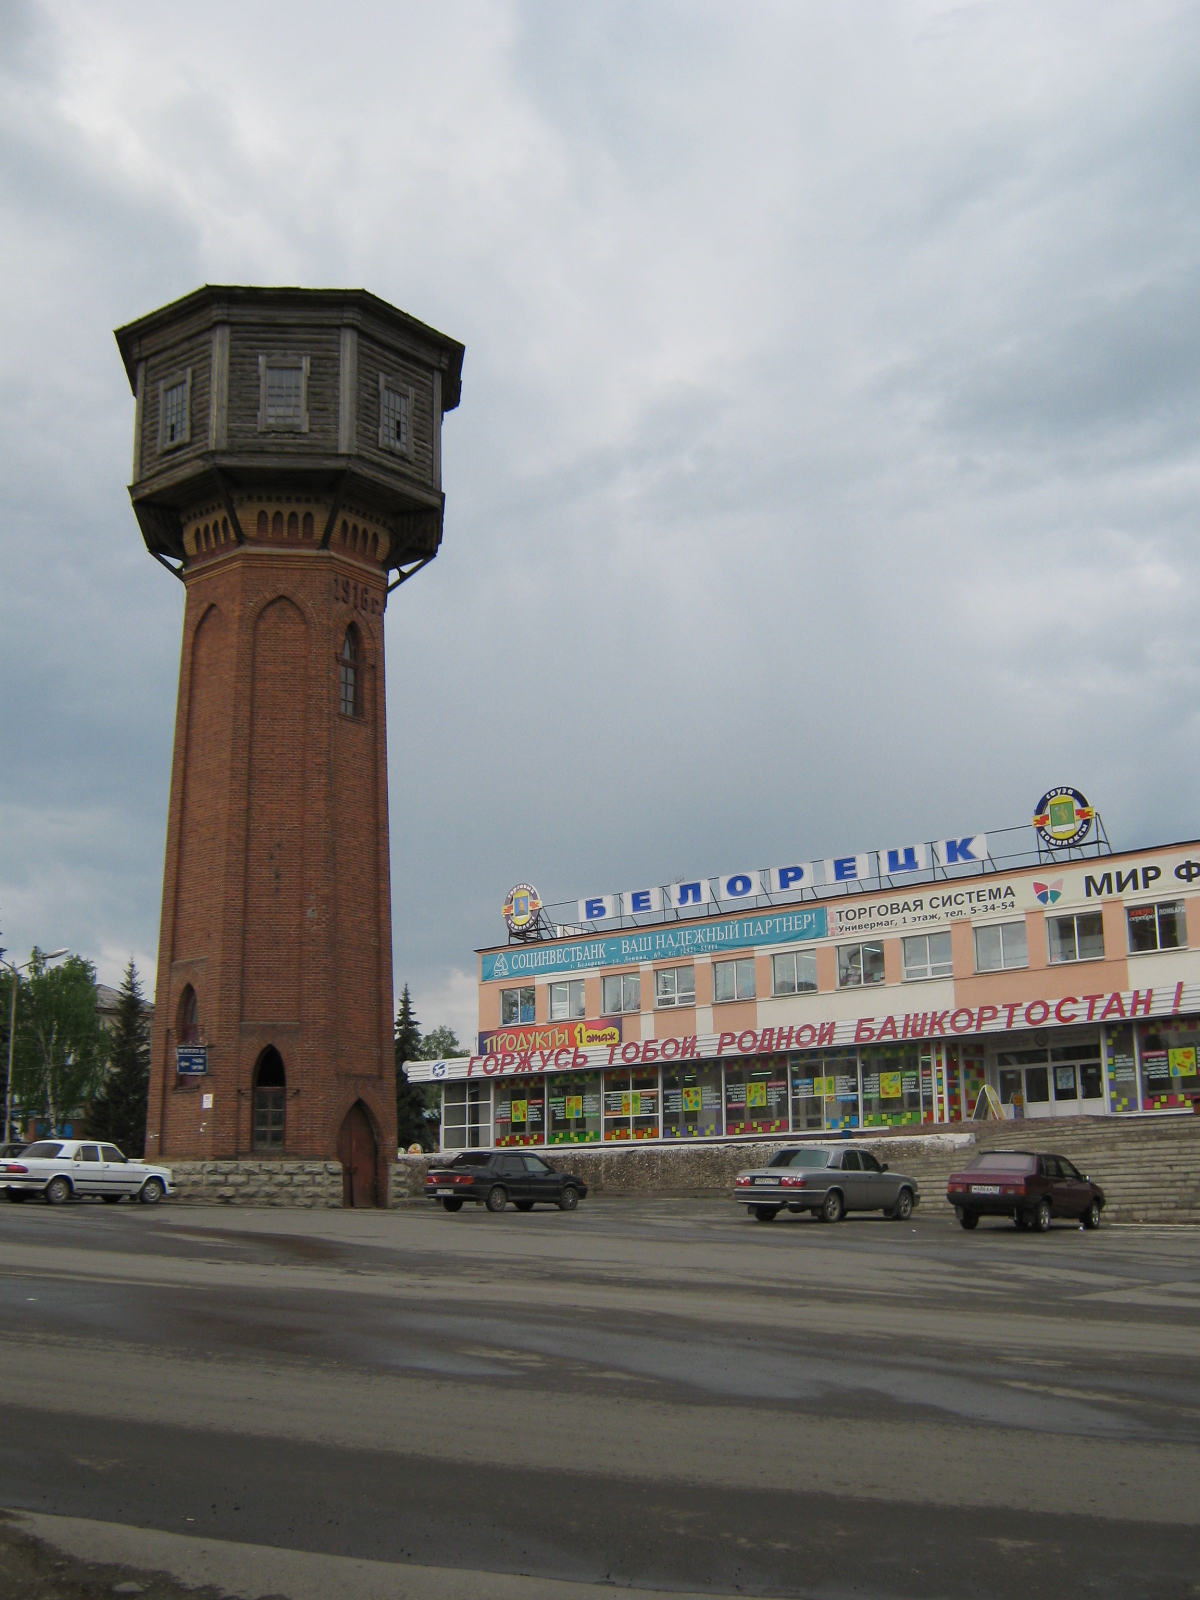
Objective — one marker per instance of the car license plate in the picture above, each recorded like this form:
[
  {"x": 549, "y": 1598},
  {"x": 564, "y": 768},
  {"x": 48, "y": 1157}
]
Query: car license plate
[
  {"x": 764, "y": 1180},
  {"x": 445, "y": 1191},
  {"x": 985, "y": 1188}
]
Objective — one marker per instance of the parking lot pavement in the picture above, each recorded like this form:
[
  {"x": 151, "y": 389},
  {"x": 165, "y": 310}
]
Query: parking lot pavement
[{"x": 658, "y": 1394}]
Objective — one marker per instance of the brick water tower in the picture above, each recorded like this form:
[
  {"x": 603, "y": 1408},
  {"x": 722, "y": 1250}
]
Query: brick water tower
[{"x": 287, "y": 469}]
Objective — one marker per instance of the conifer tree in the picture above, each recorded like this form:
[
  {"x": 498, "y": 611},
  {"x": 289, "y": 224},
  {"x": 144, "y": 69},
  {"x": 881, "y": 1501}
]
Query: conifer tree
[
  {"x": 411, "y": 1124},
  {"x": 118, "y": 1112}
]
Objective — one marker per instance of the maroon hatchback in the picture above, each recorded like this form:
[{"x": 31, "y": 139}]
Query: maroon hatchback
[{"x": 1031, "y": 1189}]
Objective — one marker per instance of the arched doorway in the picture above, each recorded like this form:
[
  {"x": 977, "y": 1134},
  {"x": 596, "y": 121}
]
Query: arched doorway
[
  {"x": 358, "y": 1153},
  {"x": 268, "y": 1128}
]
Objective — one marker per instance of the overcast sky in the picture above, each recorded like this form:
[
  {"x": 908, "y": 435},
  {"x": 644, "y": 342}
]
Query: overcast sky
[{"x": 826, "y": 470}]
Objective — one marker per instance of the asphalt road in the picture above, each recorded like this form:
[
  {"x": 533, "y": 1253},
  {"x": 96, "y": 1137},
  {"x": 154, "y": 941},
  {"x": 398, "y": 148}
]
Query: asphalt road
[{"x": 659, "y": 1395}]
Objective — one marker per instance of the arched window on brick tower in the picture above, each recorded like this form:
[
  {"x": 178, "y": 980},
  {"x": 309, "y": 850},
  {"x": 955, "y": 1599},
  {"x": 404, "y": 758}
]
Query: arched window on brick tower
[
  {"x": 270, "y": 1097},
  {"x": 348, "y": 664},
  {"x": 188, "y": 1028}
]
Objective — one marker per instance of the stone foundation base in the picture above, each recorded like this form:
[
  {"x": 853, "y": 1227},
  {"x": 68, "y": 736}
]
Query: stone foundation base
[{"x": 316, "y": 1185}]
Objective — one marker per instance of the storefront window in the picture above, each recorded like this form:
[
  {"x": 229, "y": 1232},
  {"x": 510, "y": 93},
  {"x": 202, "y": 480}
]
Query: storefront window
[
  {"x": 1169, "y": 1062},
  {"x": 1160, "y": 927},
  {"x": 795, "y": 972},
  {"x": 466, "y": 1116},
  {"x": 622, "y": 993},
  {"x": 1000, "y": 946},
  {"x": 631, "y": 1103},
  {"x": 520, "y": 1111},
  {"x": 692, "y": 1101},
  {"x": 859, "y": 965},
  {"x": 733, "y": 980},
  {"x": 808, "y": 1094},
  {"x": 573, "y": 1102},
  {"x": 675, "y": 986},
  {"x": 566, "y": 1001},
  {"x": 1121, "y": 1063},
  {"x": 927, "y": 955},
  {"x": 516, "y": 1006},
  {"x": 891, "y": 1086},
  {"x": 756, "y": 1095},
  {"x": 1077, "y": 938},
  {"x": 825, "y": 1090}
]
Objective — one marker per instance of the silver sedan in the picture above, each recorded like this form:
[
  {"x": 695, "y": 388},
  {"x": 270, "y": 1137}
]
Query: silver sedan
[
  {"x": 64, "y": 1169},
  {"x": 826, "y": 1181}
]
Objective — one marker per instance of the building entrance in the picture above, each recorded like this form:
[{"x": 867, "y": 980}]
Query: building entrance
[
  {"x": 1063, "y": 1081},
  {"x": 358, "y": 1153}
]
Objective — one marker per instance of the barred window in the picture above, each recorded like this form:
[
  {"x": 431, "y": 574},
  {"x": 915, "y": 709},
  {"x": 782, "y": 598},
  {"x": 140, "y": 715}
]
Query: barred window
[
  {"x": 175, "y": 411},
  {"x": 284, "y": 393},
  {"x": 349, "y": 674},
  {"x": 395, "y": 417}
]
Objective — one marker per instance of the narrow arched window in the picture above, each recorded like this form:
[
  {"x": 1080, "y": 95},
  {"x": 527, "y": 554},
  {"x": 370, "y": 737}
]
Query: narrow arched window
[
  {"x": 262, "y": 524},
  {"x": 270, "y": 1098},
  {"x": 189, "y": 1017},
  {"x": 349, "y": 674}
]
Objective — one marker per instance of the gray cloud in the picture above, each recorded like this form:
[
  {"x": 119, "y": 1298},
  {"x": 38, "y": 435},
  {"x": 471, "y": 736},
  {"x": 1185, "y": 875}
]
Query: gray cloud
[{"x": 826, "y": 467}]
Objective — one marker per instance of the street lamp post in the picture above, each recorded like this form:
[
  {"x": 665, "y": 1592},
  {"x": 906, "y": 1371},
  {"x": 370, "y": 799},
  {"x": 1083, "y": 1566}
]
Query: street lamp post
[{"x": 12, "y": 1029}]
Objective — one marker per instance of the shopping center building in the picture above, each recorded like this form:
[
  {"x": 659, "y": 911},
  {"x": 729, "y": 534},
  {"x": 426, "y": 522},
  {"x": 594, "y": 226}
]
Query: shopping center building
[{"x": 928, "y": 985}]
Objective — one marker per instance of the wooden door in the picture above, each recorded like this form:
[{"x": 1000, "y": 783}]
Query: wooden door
[{"x": 357, "y": 1152}]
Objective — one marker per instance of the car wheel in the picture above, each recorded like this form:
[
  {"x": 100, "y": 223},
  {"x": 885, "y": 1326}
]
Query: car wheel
[
  {"x": 1041, "y": 1217},
  {"x": 764, "y": 1213},
  {"x": 568, "y": 1199},
  {"x": 57, "y": 1191},
  {"x": 832, "y": 1207},
  {"x": 497, "y": 1198},
  {"x": 902, "y": 1210},
  {"x": 968, "y": 1219},
  {"x": 453, "y": 1204},
  {"x": 152, "y": 1192},
  {"x": 1091, "y": 1217},
  {"x": 524, "y": 1205}
]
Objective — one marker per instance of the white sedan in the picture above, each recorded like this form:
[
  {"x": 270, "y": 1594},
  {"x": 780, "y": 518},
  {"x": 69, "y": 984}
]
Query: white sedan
[{"x": 63, "y": 1169}]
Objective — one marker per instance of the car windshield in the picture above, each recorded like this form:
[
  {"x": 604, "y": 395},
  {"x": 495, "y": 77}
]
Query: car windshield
[
  {"x": 1003, "y": 1161},
  {"x": 46, "y": 1150},
  {"x": 800, "y": 1158}
]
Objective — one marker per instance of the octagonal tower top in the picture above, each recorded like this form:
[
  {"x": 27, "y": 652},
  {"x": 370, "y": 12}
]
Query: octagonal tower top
[{"x": 245, "y": 391}]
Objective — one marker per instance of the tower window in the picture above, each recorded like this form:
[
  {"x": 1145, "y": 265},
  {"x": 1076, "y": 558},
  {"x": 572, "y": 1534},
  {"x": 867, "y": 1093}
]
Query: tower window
[
  {"x": 175, "y": 411},
  {"x": 348, "y": 664},
  {"x": 283, "y": 393},
  {"x": 270, "y": 1094},
  {"x": 395, "y": 417},
  {"x": 189, "y": 1017}
]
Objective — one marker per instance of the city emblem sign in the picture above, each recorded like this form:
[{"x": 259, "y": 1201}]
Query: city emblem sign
[{"x": 1063, "y": 817}]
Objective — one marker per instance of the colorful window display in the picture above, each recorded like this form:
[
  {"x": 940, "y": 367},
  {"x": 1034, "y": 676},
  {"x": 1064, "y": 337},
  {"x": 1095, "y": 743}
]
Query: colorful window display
[
  {"x": 693, "y": 1101},
  {"x": 891, "y": 1086},
  {"x": 756, "y": 1095},
  {"x": 825, "y": 1090},
  {"x": 1170, "y": 1052},
  {"x": 631, "y": 1101},
  {"x": 520, "y": 1111},
  {"x": 1120, "y": 1060},
  {"x": 573, "y": 1108}
]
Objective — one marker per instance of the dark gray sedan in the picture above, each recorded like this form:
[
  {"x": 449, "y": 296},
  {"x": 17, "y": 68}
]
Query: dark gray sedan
[{"x": 826, "y": 1181}]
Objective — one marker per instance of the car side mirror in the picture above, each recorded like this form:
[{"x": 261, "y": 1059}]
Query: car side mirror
[{"x": 883, "y": 1166}]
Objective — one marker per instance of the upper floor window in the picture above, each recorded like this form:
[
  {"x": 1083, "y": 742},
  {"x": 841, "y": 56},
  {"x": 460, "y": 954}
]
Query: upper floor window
[
  {"x": 566, "y": 1000},
  {"x": 348, "y": 667},
  {"x": 516, "y": 1006},
  {"x": 395, "y": 416},
  {"x": 795, "y": 972},
  {"x": 622, "y": 993},
  {"x": 283, "y": 393},
  {"x": 860, "y": 965},
  {"x": 1076, "y": 938},
  {"x": 1160, "y": 927},
  {"x": 675, "y": 986},
  {"x": 1001, "y": 945},
  {"x": 733, "y": 980},
  {"x": 189, "y": 1017},
  {"x": 175, "y": 411},
  {"x": 927, "y": 955}
]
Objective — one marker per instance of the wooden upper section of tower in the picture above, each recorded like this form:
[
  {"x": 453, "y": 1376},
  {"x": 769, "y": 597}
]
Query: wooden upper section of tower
[{"x": 244, "y": 394}]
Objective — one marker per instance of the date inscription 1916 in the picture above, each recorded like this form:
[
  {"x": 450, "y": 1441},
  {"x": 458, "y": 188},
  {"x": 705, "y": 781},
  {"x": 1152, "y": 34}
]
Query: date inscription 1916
[{"x": 357, "y": 596}]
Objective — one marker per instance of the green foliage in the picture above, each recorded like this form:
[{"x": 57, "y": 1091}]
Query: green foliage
[
  {"x": 412, "y": 1125},
  {"x": 440, "y": 1043},
  {"x": 118, "y": 1112},
  {"x": 61, "y": 1044}
]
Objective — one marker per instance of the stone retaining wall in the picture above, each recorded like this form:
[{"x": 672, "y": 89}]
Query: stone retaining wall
[{"x": 316, "y": 1185}]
